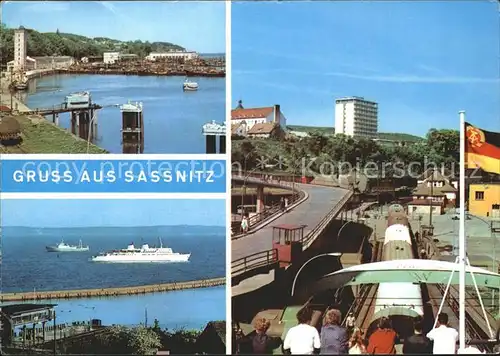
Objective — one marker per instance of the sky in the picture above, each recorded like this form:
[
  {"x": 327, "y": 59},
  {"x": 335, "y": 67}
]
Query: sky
[
  {"x": 198, "y": 26},
  {"x": 422, "y": 61},
  {"x": 108, "y": 213}
]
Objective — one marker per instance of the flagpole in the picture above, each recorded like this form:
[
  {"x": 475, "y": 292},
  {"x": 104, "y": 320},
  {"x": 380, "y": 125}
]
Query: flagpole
[{"x": 461, "y": 235}]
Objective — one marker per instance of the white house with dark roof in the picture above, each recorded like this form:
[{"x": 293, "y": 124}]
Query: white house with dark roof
[
  {"x": 436, "y": 187},
  {"x": 253, "y": 116}
]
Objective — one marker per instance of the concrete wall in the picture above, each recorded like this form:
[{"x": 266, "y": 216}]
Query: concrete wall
[
  {"x": 252, "y": 200},
  {"x": 424, "y": 209}
]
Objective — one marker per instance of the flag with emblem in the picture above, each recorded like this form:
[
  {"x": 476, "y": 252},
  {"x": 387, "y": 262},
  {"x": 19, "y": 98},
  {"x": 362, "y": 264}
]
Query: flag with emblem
[{"x": 482, "y": 149}]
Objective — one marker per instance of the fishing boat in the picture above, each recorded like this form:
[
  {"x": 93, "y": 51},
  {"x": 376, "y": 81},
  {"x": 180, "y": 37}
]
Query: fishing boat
[
  {"x": 131, "y": 254},
  {"x": 190, "y": 86},
  {"x": 64, "y": 247}
]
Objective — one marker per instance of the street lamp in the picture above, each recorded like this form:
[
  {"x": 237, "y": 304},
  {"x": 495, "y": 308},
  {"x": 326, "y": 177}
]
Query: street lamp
[
  {"x": 244, "y": 189},
  {"x": 342, "y": 227},
  {"x": 94, "y": 116},
  {"x": 493, "y": 258},
  {"x": 333, "y": 254}
]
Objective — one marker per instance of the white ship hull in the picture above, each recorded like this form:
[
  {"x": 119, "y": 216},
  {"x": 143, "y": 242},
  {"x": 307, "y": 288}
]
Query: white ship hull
[
  {"x": 66, "y": 249},
  {"x": 190, "y": 86},
  {"x": 142, "y": 258}
]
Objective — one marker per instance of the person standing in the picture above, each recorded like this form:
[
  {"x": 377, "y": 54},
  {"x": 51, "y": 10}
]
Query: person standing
[
  {"x": 303, "y": 339},
  {"x": 445, "y": 338},
  {"x": 417, "y": 343},
  {"x": 258, "y": 342},
  {"x": 244, "y": 225},
  {"x": 383, "y": 340},
  {"x": 350, "y": 322},
  {"x": 333, "y": 337},
  {"x": 356, "y": 343}
]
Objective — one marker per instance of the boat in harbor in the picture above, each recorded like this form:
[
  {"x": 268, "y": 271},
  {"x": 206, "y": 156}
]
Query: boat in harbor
[
  {"x": 21, "y": 83},
  {"x": 21, "y": 86},
  {"x": 131, "y": 254},
  {"x": 64, "y": 247},
  {"x": 190, "y": 86}
]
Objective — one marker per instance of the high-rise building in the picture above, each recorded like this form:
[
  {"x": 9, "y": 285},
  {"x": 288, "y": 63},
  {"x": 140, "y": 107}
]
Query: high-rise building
[
  {"x": 20, "y": 49},
  {"x": 356, "y": 117}
]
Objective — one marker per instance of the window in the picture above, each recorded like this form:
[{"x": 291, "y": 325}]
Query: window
[
  {"x": 479, "y": 195},
  {"x": 414, "y": 208}
]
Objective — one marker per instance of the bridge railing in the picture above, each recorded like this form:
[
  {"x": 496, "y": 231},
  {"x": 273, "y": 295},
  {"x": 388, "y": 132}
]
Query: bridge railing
[
  {"x": 253, "y": 261},
  {"x": 257, "y": 258},
  {"x": 267, "y": 213},
  {"x": 313, "y": 234}
]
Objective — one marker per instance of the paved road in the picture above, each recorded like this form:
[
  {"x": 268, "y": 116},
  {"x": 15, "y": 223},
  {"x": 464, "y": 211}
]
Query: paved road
[{"x": 310, "y": 212}]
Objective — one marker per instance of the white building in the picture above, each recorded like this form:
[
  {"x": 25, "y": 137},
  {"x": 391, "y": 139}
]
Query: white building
[
  {"x": 356, "y": 117},
  {"x": 250, "y": 117},
  {"x": 111, "y": 57},
  {"x": 29, "y": 64},
  {"x": 153, "y": 56},
  {"x": 20, "y": 49}
]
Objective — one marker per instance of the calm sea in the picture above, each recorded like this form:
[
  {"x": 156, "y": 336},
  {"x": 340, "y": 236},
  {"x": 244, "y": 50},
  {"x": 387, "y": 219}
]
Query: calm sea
[
  {"x": 173, "y": 119},
  {"x": 26, "y": 266}
]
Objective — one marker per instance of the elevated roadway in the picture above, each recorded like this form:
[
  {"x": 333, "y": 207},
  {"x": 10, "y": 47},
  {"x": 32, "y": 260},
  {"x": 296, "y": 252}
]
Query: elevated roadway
[
  {"x": 254, "y": 251},
  {"x": 311, "y": 212}
]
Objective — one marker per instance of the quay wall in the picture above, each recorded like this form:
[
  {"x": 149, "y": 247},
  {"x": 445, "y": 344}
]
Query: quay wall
[
  {"x": 112, "y": 292},
  {"x": 147, "y": 73},
  {"x": 38, "y": 73}
]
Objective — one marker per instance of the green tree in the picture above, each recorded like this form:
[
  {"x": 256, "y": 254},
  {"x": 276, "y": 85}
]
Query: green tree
[
  {"x": 180, "y": 341},
  {"x": 122, "y": 340}
]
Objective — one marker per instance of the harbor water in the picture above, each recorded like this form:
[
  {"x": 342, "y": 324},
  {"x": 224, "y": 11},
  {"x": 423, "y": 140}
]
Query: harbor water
[
  {"x": 27, "y": 266},
  {"x": 173, "y": 119},
  {"x": 188, "y": 309}
]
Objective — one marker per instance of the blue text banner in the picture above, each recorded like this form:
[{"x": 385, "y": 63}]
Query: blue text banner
[{"x": 113, "y": 176}]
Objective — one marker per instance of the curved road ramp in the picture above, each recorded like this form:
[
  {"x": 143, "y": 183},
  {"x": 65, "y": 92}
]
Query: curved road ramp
[{"x": 254, "y": 253}]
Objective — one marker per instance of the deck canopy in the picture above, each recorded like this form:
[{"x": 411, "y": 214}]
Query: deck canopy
[{"x": 409, "y": 271}]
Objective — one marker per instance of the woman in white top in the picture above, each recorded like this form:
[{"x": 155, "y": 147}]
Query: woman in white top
[
  {"x": 302, "y": 339},
  {"x": 356, "y": 345},
  {"x": 244, "y": 225}
]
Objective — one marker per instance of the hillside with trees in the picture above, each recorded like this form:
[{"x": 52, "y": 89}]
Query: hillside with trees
[
  {"x": 393, "y": 136},
  {"x": 440, "y": 147},
  {"x": 67, "y": 44}
]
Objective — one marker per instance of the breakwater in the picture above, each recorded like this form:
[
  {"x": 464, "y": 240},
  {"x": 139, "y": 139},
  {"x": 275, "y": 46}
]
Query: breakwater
[
  {"x": 172, "y": 73},
  {"x": 111, "y": 292}
]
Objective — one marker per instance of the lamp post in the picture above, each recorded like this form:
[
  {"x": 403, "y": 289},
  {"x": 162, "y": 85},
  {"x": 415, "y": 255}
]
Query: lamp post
[
  {"x": 90, "y": 130},
  {"x": 333, "y": 254},
  {"x": 493, "y": 258},
  {"x": 94, "y": 116}
]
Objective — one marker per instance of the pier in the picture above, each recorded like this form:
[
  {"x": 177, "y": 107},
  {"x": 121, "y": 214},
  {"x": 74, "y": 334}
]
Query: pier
[
  {"x": 111, "y": 292},
  {"x": 211, "y": 131},
  {"x": 132, "y": 128}
]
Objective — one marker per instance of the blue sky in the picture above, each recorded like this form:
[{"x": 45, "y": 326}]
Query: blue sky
[
  {"x": 422, "y": 61},
  {"x": 121, "y": 213},
  {"x": 198, "y": 26}
]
